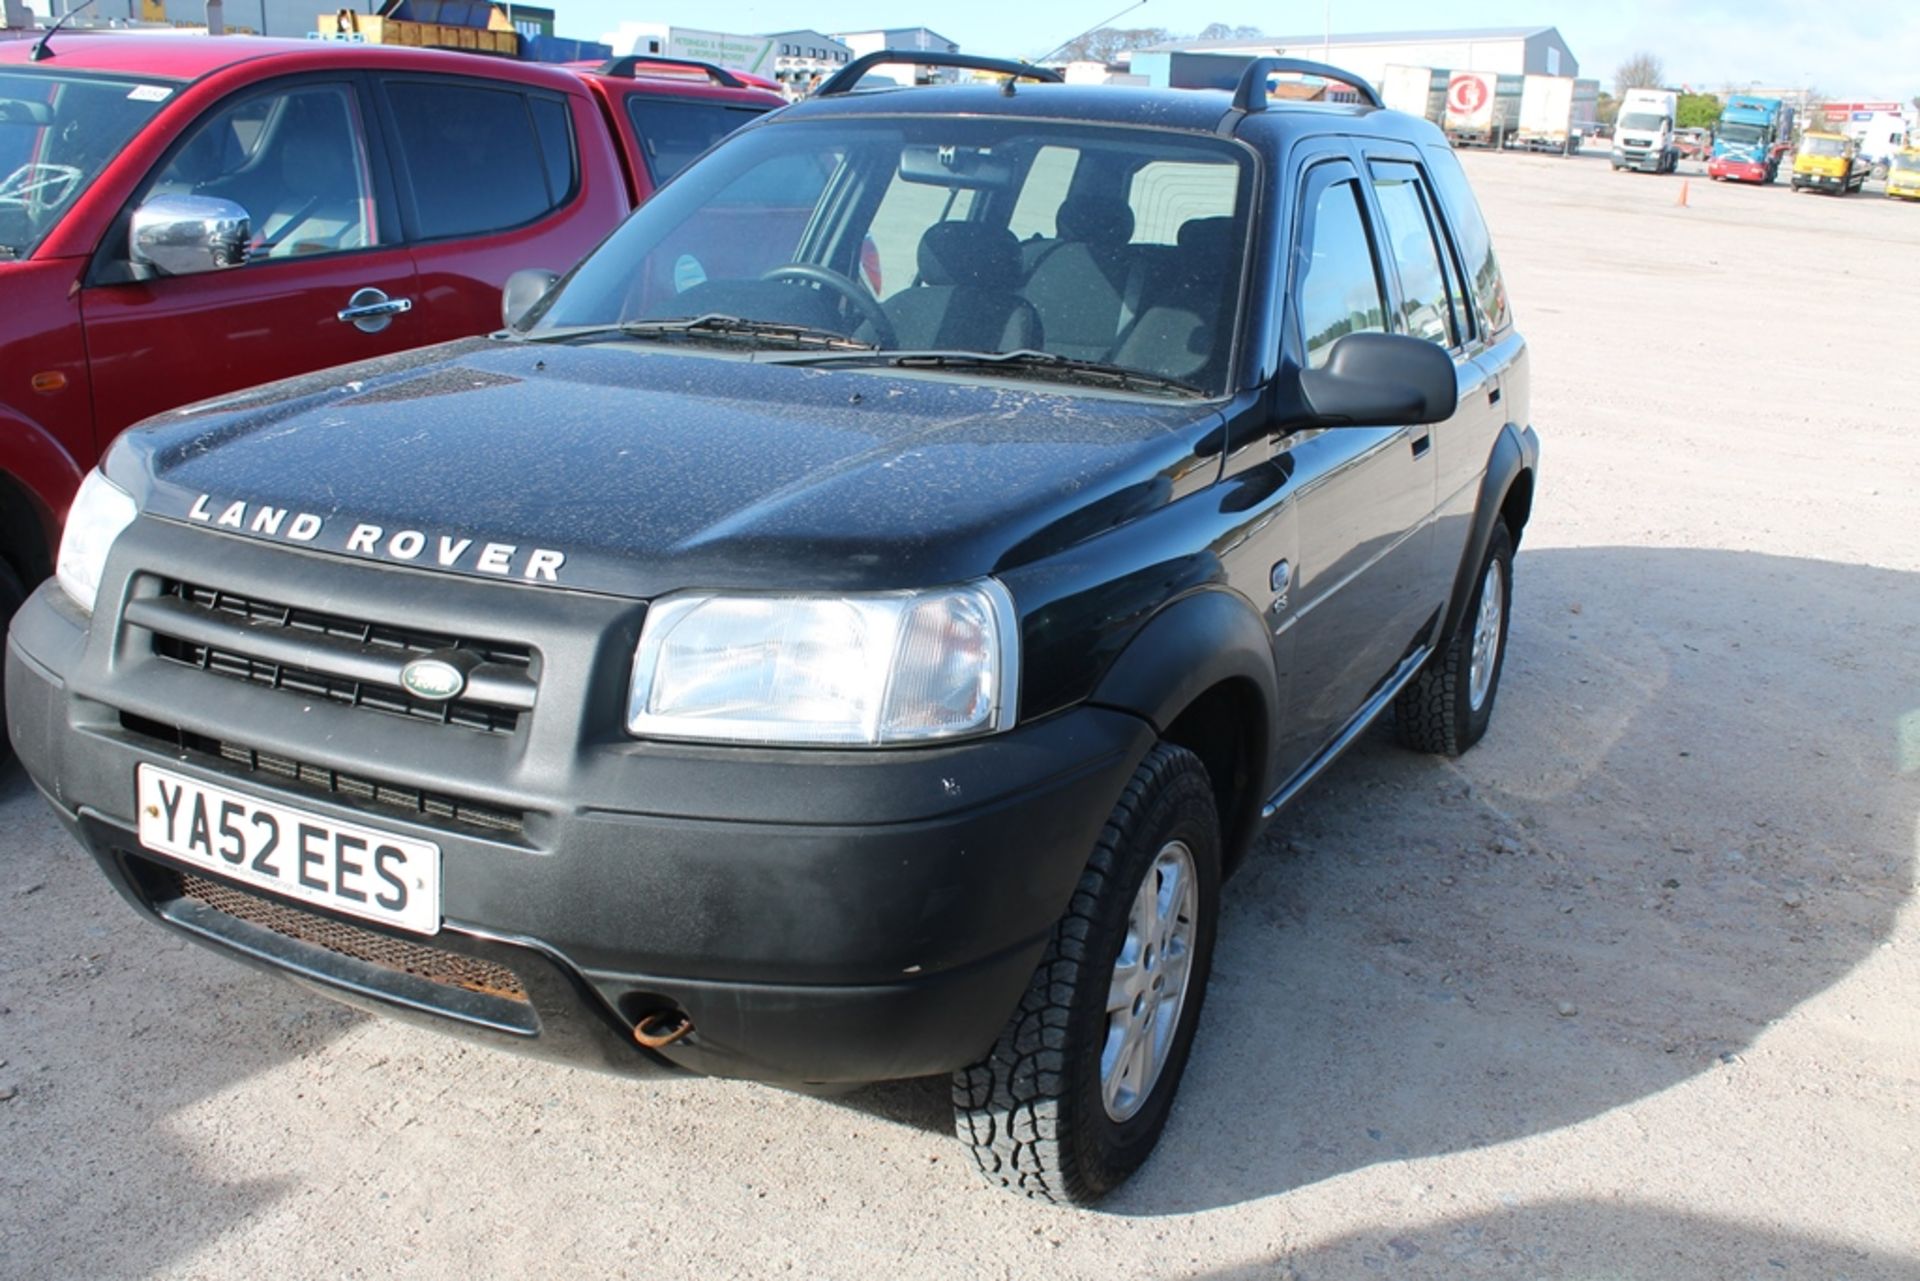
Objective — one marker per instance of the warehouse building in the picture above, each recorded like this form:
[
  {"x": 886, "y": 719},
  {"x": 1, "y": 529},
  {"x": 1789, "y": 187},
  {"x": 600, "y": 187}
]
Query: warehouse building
[{"x": 1506, "y": 50}]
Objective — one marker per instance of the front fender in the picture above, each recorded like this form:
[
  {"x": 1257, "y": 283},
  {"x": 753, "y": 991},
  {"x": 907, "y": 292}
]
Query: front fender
[
  {"x": 38, "y": 478},
  {"x": 1194, "y": 643}
]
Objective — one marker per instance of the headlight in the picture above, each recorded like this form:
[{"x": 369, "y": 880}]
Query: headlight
[
  {"x": 100, "y": 511},
  {"x": 859, "y": 670}
]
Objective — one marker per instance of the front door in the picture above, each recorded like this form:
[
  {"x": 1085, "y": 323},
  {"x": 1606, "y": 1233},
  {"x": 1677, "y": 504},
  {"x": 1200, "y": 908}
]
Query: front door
[
  {"x": 1364, "y": 494},
  {"x": 294, "y": 156}
]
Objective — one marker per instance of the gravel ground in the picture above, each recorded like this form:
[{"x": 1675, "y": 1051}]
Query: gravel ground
[{"x": 1629, "y": 991}]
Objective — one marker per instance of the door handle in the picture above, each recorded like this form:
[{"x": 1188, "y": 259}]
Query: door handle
[
  {"x": 370, "y": 310},
  {"x": 1493, "y": 394},
  {"x": 1421, "y": 444}
]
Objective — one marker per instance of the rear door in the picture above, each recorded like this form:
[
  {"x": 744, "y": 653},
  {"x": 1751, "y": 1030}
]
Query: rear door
[
  {"x": 297, "y": 155},
  {"x": 493, "y": 176}
]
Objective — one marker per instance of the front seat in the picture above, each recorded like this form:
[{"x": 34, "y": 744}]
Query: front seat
[
  {"x": 965, "y": 300},
  {"x": 1079, "y": 283}
]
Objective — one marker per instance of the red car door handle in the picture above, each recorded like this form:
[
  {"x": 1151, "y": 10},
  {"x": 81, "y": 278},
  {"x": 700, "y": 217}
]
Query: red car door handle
[{"x": 370, "y": 310}]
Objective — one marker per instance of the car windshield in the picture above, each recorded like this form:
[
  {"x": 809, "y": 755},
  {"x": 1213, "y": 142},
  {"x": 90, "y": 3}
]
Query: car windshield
[
  {"x": 1909, "y": 158},
  {"x": 57, "y": 132},
  {"x": 1742, "y": 134},
  {"x": 1823, "y": 147},
  {"x": 1064, "y": 246},
  {"x": 1642, "y": 120}
]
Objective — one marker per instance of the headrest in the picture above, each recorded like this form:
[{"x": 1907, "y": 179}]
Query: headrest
[
  {"x": 214, "y": 151},
  {"x": 1095, "y": 221},
  {"x": 971, "y": 254},
  {"x": 1206, "y": 238}
]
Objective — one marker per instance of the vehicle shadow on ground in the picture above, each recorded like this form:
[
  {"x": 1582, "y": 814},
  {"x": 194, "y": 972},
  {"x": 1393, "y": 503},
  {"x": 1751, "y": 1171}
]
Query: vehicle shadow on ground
[
  {"x": 1695, "y": 810},
  {"x": 91, "y": 1026},
  {"x": 1558, "y": 1239}
]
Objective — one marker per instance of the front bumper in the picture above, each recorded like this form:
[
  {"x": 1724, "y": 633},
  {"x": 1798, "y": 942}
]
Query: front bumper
[
  {"x": 1821, "y": 181},
  {"x": 1904, "y": 185},
  {"x": 1737, "y": 170},
  {"x": 1640, "y": 161},
  {"x": 819, "y": 916}
]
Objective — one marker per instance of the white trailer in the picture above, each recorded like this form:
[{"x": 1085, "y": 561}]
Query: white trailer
[
  {"x": 1482, "y": 108},
  {"x": 1546, "y": 114},
  {"x": 1418, "y": 91}
]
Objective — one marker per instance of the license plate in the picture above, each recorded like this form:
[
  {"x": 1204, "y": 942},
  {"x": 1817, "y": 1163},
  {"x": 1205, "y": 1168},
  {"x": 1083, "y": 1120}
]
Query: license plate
[{"x": 344, "y": 867}]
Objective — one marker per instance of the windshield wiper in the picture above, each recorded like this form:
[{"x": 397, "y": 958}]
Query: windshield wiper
[
  {"x": 714, "y": 325},
  {"x": 1024, "y": 361}
]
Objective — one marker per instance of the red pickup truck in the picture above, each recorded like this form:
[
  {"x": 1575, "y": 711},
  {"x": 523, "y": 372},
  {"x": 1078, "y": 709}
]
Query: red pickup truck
[{"x": 182, "y": 217}]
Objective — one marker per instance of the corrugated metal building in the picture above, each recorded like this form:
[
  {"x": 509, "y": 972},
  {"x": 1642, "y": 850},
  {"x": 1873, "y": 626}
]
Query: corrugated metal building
[{"x": 1507, "y": 50}]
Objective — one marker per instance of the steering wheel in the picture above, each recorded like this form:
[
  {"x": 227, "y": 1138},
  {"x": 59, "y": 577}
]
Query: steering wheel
[
  {"x": 36, "y": 183},
  {"x": 862, "y": 301}
]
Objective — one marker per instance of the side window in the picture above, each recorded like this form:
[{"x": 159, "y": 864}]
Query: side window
[
  {"x": 1339, "y": 284},
  {"x": 552, "y": 121},
  {"x": 471, "y": 156},
  {"x": 1048, "y": 179},
  {"x": 1409, "y": 231},
  {"x": 1167, "y": 194},
  {"x": 295, "y": 159},
  {"x": 1470, "y": 233},
  {"x": 673, "y": 131},
  {"x": 892, "y": 260}
]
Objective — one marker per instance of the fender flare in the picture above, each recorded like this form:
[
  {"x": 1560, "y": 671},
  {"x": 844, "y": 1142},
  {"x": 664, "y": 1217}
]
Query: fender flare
[
  {"x": 1515, "y": 456},
  {"x": 1185, "y": 649},
  {"x": 44, "y": 475}
]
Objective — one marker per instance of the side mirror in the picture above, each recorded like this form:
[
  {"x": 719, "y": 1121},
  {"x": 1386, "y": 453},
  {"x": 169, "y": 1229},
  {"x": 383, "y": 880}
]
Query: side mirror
[
  {"x": 187, "y": 235},
  {"x": 1382, "y": 380},
  {"x": 524, "y": 288}
]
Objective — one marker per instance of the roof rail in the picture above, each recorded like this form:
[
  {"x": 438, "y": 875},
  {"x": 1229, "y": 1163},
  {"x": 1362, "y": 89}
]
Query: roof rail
[
  {"x": 1252, "y": 94},
  {"x": 849, "y": 77},
  {"x": 625, "y": 67}
]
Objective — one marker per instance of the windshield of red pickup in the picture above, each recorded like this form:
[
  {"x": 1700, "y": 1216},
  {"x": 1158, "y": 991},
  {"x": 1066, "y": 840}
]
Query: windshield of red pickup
[
  {"x": 950, "y": 234},
  {"x": 57, "y": 133}
]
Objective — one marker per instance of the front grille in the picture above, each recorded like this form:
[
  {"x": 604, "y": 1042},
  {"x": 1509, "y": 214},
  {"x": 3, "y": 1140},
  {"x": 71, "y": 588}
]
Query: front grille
[
  {"x": 313, "y": 681},
  {"x": 395, "y": 799},
  {"x": 422, "y": 961}
]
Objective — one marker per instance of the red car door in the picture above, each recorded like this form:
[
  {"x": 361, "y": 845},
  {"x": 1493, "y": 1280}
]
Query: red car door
[{"x": 328, "y": 279}]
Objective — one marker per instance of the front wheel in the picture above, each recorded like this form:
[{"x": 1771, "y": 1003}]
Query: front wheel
[
  {"x": 1447, "y": 707},
  {"x": 1074, "y": 1094}
]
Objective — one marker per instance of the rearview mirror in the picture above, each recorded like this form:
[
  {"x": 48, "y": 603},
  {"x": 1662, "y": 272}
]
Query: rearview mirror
[
  {"x": 1381, "y": 380},
  {"x": 188, "y": 235},
  {"x": 524, "y": 288}
]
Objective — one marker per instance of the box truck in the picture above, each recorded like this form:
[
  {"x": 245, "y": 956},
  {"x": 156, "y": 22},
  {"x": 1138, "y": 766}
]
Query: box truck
[
  {"x": 1482, "y": 108},
  {"x": 1418, "y": 91},
  {"x": 1546, "y": 114}
]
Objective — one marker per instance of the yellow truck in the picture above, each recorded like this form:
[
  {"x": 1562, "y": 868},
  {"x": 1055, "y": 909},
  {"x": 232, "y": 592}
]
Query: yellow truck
[
  {"x": 1828, "y": 162},
  {"x": 1903, "y": 175}
]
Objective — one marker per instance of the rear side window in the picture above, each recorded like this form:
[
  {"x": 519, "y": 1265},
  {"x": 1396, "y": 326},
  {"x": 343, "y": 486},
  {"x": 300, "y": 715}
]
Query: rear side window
[
  {"x": 672, "y": 131},
  {"x": 1409, "y": 231},
  {"x": 1470, "y": 233},
  {"x": 1339, "y": 285},
  {"x": 474, "y": 158}
]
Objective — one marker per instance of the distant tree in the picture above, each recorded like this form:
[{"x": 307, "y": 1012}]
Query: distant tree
[
  {"x": 1606, "y": 108},
  {"x": 1641, "y": 71},
  {"x": 1698, "y": 111},
  {"x": 1109, "y": 42},
  {"x": 1225, "y": 31}
]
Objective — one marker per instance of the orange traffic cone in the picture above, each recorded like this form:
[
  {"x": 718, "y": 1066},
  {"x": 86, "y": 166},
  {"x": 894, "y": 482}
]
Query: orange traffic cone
[{"x": 1682, "y": 201}]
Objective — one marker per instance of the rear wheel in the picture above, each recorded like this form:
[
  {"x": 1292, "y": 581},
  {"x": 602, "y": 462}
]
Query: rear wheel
[
  {"x": 1074, "y": 1094},
  {"x": 1447, "y": 707}
]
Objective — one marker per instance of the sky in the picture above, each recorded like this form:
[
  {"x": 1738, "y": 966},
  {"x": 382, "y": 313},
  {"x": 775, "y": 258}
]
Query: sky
[{"x": 1848, "y": 49}]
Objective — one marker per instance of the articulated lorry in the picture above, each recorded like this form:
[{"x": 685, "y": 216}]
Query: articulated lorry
[
  {"x": 1418, "y": 91},
  {"x": 1643, "y": 135},
  {"x": 1751, "y": 138}
]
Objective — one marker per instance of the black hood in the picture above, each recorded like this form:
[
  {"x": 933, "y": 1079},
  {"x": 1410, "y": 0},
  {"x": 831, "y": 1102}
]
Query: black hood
[{"x": 643, "y": 469}]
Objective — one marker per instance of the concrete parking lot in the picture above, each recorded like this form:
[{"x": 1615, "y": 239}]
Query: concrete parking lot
[{"x": 1628, "y": 991}]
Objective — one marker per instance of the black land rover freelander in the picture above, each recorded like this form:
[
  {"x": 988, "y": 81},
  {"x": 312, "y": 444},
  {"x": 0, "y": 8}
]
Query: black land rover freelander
[{"x": 845, "y": 629}]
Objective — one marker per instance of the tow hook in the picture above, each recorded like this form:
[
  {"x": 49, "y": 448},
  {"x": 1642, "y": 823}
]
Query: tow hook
[{"x": 661, "y": 1028}]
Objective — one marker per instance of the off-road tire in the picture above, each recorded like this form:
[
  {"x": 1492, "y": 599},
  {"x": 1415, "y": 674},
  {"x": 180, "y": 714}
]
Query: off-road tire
[
  {"x": 1435, "y": 712},
  {"x": 12, "y": 594},
  {"x": 1032, "y": 1111}
]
